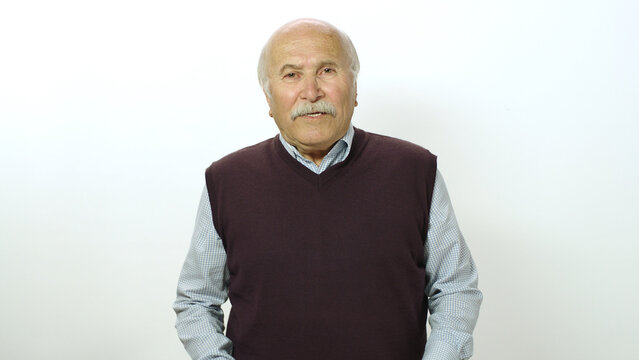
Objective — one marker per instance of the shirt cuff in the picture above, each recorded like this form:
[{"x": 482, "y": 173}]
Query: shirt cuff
[{"x": 440, "y": 350}]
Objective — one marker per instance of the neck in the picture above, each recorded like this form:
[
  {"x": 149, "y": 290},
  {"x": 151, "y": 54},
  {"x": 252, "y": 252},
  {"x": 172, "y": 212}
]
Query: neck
[
  {"x": 317, "y": 152},
  {"x": 314, "y": 153},
  {"x": 314, "y": 156}
]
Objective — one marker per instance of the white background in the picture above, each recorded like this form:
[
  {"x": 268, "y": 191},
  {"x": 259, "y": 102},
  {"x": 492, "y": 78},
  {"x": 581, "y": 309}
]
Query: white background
[{"x": 111, "y": 111}]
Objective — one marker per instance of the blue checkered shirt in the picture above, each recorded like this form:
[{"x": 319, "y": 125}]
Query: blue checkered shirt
[{"x": 454, "y": 299}]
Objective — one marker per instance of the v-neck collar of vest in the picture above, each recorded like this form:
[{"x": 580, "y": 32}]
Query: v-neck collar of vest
[{"x": 327, "y": 176}]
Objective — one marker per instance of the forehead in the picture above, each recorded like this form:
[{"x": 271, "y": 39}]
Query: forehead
[{"x": 306, "y": 44}]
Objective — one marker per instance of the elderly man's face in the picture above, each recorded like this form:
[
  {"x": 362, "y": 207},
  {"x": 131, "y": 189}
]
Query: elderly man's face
[{"x": 309, "y": 66}]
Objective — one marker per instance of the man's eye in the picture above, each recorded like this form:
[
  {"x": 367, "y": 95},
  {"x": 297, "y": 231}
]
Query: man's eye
[
  {"x": 328, "y": 70},
  {"x": 290, "y": 75}
]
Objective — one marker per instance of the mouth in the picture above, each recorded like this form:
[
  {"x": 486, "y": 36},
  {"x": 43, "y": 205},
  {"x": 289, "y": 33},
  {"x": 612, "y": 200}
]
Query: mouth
[
  {"x": 314, "y": 115},
  {"x": 307, "y": 110}
]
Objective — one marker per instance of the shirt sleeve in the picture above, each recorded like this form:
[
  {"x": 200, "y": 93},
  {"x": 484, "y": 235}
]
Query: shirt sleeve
[
  {"x": 454, "y": 298},
  {"x": 202, "y": 289}
]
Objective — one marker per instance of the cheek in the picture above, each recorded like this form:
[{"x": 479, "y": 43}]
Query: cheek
[
  {"x": 341, "y": 94},
  {"x": 283, "y": 101}
]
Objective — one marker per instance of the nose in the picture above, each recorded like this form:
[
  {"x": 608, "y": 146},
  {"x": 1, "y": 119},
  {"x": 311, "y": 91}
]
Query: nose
[{"x": 311, "y": 90}]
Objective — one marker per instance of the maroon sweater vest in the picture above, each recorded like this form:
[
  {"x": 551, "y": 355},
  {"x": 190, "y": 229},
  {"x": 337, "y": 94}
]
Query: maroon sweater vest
[{"x": 328, "y": 266}]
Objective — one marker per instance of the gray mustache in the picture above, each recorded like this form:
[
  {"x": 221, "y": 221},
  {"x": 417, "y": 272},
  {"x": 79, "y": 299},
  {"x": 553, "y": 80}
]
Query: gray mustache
[{"x": 309, "y": 108}]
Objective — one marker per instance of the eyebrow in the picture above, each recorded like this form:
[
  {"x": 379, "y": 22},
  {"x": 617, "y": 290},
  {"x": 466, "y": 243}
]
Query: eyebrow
[
  {"x": 298, "y": 67},
  {"x": 289, "y": 66}
]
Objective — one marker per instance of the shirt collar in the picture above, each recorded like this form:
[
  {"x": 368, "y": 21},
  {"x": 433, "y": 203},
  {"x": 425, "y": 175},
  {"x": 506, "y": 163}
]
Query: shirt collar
[{"x": 338, "y": 152}]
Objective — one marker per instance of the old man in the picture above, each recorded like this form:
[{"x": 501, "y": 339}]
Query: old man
[{"x": 332, "y": 243}]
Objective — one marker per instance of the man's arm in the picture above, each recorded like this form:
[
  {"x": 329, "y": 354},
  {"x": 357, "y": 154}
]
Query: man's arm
[
  {"x": 202, "y": 289},
  {"x": 454, "y": 299}
]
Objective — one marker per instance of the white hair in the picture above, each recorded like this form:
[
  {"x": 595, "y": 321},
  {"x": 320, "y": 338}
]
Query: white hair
[{"x": 262, "y": 71}]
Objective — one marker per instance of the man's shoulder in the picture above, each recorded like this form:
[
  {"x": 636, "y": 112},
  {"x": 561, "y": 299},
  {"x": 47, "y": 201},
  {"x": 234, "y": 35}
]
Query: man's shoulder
[
  {"x": 253, "y": 154},
  {"x": 397, "y": 148},
  {"x": 398, "y": 157}
]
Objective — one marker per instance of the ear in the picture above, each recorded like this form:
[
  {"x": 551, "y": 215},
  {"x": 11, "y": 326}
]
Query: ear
[
  {"x": 268, "y": 101},
  {"x": 355, "y": 91}
]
